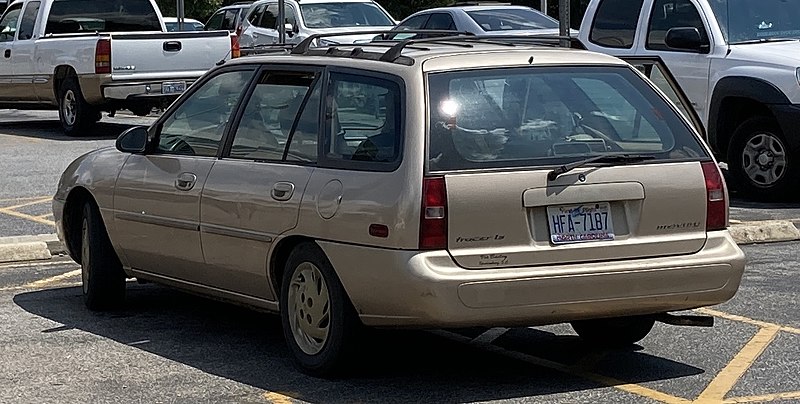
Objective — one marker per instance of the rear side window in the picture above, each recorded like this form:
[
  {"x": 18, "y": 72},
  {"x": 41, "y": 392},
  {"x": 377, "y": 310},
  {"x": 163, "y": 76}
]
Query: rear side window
[
  {"x": 28, "y": 21},
  {"x": 215, "y": 22},
  {"x": 441, "y": 21},
  {"x": 550, "y": 116},
  {"x": 615, "y": 22},
  {"x": 70, "y": 16}
]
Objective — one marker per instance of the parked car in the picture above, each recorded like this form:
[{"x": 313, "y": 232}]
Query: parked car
[
  {"x": 737, "y": 62},
  {"x": 480, "y": 20},
  {"x": 71, "y": 56},
  {"x": 314, "y": 17},
  {"x": 420, "y": 187},
  {"x": 188, "y": 24},
  {"x": 229, "y": 17}
]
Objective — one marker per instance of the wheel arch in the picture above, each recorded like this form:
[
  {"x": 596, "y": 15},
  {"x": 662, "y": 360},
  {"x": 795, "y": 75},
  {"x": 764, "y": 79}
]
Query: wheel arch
[
  {"x": 60, "y": 73},
  {"x": 279, "y": 256},
  {"x": 72, "y": 219},
  {"x": 735, "y": 99}
]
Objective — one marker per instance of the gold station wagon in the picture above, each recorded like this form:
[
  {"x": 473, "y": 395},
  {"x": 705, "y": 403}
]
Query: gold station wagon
[{"x": 431, "y": 183}]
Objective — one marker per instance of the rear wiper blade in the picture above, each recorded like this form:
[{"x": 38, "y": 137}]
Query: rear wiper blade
[{"x": 606, "y": 158}]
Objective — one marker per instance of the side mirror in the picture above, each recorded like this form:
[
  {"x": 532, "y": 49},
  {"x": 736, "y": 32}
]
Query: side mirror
[
  {"x": 685, "y": 38},
  {"x": 290, "y": 28},
  {"x": 133, "y": 140}
]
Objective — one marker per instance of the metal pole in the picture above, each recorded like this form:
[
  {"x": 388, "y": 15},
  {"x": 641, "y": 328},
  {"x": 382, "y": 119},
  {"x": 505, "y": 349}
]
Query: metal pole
[
  {"x": 543, "y": 5},
  {"x": 563, "y": 22},
  {"x": 179, "y": 11},
  {"x": 281, "y": 22}
]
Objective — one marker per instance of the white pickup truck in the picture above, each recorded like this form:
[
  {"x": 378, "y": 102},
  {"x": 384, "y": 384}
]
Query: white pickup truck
[
  {"x": 88, "y": 56},
  {"x": 736, "y": 60}
]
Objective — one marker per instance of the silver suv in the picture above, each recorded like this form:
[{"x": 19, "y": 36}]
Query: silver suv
[
  {"x": 444, "y": 182},
  {"x": 348, "y": 17}
]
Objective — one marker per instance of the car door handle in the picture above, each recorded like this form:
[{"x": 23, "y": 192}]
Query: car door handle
[
  {"x": 185, "y": 181},
  {"x": 7, "y": 53},
  {"x": 172, "y": 46},
  {"x": 282, "y": 191}
]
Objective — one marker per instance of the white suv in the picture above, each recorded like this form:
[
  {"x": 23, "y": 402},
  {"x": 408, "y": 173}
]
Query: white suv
[{"x": 260, "y": 27}]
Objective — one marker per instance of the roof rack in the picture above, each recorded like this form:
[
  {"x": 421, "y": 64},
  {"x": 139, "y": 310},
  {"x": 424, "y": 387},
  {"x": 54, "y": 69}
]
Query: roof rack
[
  {"x": 306, "y": 44},
  {"x": 267, "y": 49}
]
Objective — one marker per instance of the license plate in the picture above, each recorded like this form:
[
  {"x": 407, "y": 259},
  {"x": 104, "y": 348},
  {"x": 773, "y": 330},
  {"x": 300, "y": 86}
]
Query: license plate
[
  {"x": 173, "y": 87},
  {"x": 580, "y": 223}
]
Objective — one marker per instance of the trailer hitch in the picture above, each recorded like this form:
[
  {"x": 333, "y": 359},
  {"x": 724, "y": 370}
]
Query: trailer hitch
[{"x": 685, "y": 320}]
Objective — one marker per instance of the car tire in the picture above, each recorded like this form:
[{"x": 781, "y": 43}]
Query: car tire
[
  {"x": 319, "y": 327},
  {"x": 614, "y": 332},
  {"x": 760, "y": 163},
  {"x": 76, "y": 115},
  {"x": 101, "y": 271}
]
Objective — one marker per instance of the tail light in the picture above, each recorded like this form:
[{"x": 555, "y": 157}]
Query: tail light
[
  {"x": 102, "y": 57},
  {"x": 433, "y": 221},
  {"x": 716, "y": 205},
  {"x": 235, "y": 50}
]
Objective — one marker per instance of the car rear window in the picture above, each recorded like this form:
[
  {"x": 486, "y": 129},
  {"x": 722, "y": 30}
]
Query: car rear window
[
  {"x": 335, "y": 15},
  {"x": 511, "y": 19},
  {"x": 70, "y": 16},
  {"x": 545, "y": 116}
]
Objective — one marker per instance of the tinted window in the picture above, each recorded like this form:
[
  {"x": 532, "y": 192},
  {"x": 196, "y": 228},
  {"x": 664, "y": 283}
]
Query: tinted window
[
  {"x": 255, "y": 16},
  {"x": 303, "y": 140},
  {"x": 215, "y": 22},
  {"x": 615, "y": 22},
  {"x": 549, "y": 116},
  {"x": 28, "y": 21},
  {"x": 415, "y": 22},
  {"x": 363, "y": 120},
  {"x": 196, "y": 126},
  {"x": 332, "y": 15},
  {"x": 8, "y": 25},
  {"x": 68, "y": 16},
  {"x": 511, "y": 19},
  {"x": 440, "y": 21},
  {"x": 291, "y": 16},
  {"x": 229, "y": 22},
  {"x": 270, "y": 114},
  {"x": 671, "y": 14}
]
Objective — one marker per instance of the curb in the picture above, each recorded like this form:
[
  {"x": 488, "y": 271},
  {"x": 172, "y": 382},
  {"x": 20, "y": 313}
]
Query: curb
[
  {"x": 30, "y": 248},
  {"x": 764, "y": 231}
]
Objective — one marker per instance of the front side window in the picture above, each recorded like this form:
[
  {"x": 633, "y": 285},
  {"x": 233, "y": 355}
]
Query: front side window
[
  {"x": 269, "y": 117},
  {"x": 349, "y": 14},
  {"x": 669, "y": 14},
  {"x": 269, "y": 19},
  {"x": 70, "y": 16},
  {"x": 511, "y": 19},
  {"x": 615, "y": 22},
  {"x": 363, "y": 122},
  {"x": 215, "y": 22},
  {"x": 441, "y": 21},
  {"x": 196, "y": 126},
  {"x": 549, "y": 116},
  {"x": 28, "y": 21},
  {"x": 8, "y": 25}
]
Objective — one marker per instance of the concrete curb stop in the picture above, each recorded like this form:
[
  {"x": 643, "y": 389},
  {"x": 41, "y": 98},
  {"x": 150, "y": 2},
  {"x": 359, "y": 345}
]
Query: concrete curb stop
[
  {"x": 30, "y": 248},
  {"x": 764, "y": 231}
]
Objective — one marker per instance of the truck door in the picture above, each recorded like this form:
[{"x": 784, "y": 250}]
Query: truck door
[
  {"x": 26, "y": 82},
  {"x": 8, "y": 30}
]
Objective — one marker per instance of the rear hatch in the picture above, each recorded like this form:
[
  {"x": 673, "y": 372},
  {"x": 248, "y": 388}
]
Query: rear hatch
[
  {"x": 148, "y": 56},
  {"x": 638, "y": 186}
]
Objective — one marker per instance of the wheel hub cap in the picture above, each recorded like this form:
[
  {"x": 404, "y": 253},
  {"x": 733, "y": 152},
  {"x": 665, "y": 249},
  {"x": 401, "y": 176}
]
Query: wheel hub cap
[
  {"x": 309, "y": 308},
  {"x": 764, "y": 159},
  {"x": 68, "y": 107}
]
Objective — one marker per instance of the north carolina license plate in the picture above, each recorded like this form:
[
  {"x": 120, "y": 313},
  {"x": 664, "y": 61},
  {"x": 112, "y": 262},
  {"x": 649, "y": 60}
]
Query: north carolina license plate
[
  {"x": 580, "y": 223},
  {"x": 173, "y": 87}
]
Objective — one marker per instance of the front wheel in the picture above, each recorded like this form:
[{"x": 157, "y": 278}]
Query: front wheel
[
  {"x": 760, "y": 161},
  {"x": 319, "y": 322},
  {"x": 101, "y": 272},
  {"x": 617, "y": 331}
]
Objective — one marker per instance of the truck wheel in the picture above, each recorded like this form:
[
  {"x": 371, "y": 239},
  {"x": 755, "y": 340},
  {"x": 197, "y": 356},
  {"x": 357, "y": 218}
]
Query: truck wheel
[
  {"x": 101, "y": 272},
  {"x": 618, "y": 331},
  {"x": 760, "y": 162},
  {"x": 75, "y": 114},
  {"x": 319, "y": 322}
]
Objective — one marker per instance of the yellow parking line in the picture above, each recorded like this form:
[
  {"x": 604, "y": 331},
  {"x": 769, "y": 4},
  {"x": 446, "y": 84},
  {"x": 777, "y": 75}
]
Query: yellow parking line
[
  {"x": 277, "y": 398},
  {"x": 764, "y": 398},
  {"x": 42, "y": 283},
  {"x": 27, "y": 217},
  {"x": 28, "y": 198},
  {"x": 724, "y": 381},
  {"x": 44, "y": 216},
  {"x": 742, "y": 319},
  {"x": 29, "y": 203}
]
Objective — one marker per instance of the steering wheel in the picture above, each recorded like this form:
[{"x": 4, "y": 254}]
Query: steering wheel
[{"x": 181, "y": 147}]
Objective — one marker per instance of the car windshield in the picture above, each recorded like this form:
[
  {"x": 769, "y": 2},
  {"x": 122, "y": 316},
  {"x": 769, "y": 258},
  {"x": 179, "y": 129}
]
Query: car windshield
[
  {"x": 335, "y": 15},
  {"x": 507, "y": 19},
  {"x": 758, "y": 20},
  {"x": 498, "y": 118}
]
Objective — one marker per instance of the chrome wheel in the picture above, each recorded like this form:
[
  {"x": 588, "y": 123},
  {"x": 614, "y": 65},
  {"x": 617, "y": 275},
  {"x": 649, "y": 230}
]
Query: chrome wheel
[
  {"x": 309, "y": 308},
  {"x": 85, "y": 255},
  {"x": 69, "y": 107},
  {"x": 764, "y": 159}
]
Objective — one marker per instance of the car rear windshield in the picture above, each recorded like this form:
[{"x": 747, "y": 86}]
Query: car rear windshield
[
  {"x": 335, "y": 15},
  {"x": 544, "y": 116},
  {"x": 70, "y": 16},
  {"x": 511, "y": 19}
]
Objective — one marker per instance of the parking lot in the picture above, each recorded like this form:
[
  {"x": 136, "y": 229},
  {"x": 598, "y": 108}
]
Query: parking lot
[{"x": 55, "y": 350}]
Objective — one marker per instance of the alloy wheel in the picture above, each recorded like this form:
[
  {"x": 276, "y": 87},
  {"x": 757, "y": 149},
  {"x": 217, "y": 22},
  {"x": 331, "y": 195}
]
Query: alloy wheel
[{"x": 764, "y": 159}]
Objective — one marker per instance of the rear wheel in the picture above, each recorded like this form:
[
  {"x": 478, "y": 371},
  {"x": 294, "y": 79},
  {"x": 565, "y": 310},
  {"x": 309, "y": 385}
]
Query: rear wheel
[
  {"x": 101, "y": 271},
  {"x": 617, "y": 331},
  {"x": 76, "y": 115},
  {"x": 760, "y": 162},
  {"x": 319, "y": 322}
]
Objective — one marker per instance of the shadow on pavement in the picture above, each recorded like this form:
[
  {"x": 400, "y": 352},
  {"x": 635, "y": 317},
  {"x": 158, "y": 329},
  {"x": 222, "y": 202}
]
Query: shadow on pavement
[
  {"x": 51, "y": 130},
  {"x": 246, "y": 346}
]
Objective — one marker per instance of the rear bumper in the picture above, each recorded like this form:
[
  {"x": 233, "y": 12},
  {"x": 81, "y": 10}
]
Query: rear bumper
[
  {"x": 392, "y": 288},
  {"x": 99, "y": 89}
]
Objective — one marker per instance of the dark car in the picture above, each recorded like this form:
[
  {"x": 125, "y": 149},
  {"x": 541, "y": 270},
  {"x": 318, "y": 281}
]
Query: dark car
[{"x": 228, "y": 17}]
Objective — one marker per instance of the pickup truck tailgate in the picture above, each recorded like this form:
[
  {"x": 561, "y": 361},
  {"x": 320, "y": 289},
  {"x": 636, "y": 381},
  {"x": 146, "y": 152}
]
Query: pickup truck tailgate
[{"x": 160, "y": 55}]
